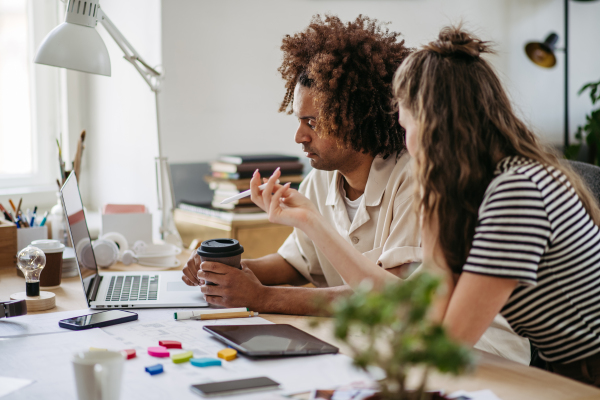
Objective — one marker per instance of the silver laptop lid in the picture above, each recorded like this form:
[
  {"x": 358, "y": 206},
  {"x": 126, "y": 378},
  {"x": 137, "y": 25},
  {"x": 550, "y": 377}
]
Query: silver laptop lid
[{"x": 80, "y": 237}]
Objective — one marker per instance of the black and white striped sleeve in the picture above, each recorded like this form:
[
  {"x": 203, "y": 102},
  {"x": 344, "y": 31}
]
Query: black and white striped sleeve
[{"x": 512, "y": 232}]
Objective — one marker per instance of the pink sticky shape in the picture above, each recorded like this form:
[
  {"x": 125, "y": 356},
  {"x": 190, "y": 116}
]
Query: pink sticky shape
[{"x": 158, "y": 351}]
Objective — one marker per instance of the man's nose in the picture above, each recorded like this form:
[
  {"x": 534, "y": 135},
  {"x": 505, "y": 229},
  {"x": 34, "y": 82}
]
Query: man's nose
[{"x": 302, "y": 136}]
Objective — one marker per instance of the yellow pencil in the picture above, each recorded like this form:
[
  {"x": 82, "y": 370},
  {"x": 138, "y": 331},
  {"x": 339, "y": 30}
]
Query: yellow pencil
[{"x": 229, "y": 315}]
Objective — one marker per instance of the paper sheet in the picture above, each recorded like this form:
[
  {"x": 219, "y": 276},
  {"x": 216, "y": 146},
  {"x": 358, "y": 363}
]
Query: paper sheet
[
  {"x": 9, "y": 385},
  {"x": 478, "y": 395},
  {"x": 48, "y": 323},
  {"x": 36, "y": 324},
  {"x": 47, "y": 360}
]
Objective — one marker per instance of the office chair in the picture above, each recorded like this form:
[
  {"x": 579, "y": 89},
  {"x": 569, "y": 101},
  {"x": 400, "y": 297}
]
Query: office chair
[{"x": 590, "y": 175}]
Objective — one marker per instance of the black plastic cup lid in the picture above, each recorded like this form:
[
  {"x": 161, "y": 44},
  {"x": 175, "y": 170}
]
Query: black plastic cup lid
[{"x": 220, "y": 248}]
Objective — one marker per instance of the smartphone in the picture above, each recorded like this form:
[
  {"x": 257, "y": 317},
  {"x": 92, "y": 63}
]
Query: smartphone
[
  {"x": 98, "y": 320},
  {"x": 236, "y": 386}
]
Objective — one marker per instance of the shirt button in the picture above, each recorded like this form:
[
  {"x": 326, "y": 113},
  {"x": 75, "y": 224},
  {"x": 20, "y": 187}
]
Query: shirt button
[{"x": 355, "y": 240}]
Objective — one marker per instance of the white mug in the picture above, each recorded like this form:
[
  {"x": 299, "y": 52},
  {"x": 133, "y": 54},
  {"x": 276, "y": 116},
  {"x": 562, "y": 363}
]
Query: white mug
[{"x": 98, "y": 374}]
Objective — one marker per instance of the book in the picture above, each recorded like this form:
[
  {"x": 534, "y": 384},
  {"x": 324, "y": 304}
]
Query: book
[
  {"x": 210, "y": 210},
  {"x": 219, "y": 197},
  {"x": 220, "y": 166},
  {"x": 248, "y": 174},
  {"x": 256, "y": 158},
  {"x": 233, "y": 189},
  {"x": 215, "y": 214},
  {"x": 239, "y": 208},
  {"x": 244, "y": 184}
]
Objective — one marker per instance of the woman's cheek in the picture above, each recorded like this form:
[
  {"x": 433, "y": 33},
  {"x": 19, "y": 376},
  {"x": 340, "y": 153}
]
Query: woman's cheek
[{"x": 411, "y": 142}]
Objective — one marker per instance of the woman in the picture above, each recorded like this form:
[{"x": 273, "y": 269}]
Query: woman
[{"x": 516, "y": 227}]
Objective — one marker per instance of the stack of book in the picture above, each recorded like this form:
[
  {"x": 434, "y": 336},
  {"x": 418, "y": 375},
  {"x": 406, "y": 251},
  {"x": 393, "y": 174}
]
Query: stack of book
[{"x": 230, "y": 175}]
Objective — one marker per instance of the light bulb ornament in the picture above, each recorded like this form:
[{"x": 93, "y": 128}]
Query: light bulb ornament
[{"x": 31, "y": 261}]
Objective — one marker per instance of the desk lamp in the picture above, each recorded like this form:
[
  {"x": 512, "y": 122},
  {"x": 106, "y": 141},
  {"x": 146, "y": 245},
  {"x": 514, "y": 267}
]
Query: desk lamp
[{"x": 75, "y": 44}]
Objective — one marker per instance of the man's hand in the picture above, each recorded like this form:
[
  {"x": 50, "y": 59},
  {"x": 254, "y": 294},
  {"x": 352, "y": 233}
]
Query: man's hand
[
  {"x": 190, "y": 271},
  {"x": 233, "y": 287},
  {"x": 283, "y": 205}
]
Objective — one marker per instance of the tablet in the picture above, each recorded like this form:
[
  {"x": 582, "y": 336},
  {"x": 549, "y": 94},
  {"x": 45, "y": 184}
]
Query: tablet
[{"x": 270, "y": 340}]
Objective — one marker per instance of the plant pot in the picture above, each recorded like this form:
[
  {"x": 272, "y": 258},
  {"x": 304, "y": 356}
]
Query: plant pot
[{"x": 409, "y": 396}]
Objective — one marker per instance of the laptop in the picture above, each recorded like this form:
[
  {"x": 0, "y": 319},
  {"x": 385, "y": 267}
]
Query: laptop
[{"x": 135, "y": 289}]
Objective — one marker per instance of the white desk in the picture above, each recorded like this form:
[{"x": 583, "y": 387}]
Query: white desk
[{"x": 507, "y": 379}]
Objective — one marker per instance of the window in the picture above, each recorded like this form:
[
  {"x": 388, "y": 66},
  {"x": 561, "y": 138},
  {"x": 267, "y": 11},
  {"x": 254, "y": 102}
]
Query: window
[
  {"x": 16, "y": 151},
  {"x": 30, "y": 100}
]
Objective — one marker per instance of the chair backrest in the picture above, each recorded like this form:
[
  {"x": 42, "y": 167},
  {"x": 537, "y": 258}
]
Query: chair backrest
[{"x": 590, "y": 175}]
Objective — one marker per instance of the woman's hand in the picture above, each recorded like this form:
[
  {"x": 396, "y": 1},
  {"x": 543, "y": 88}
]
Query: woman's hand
[{"x": 286, "y": 206}]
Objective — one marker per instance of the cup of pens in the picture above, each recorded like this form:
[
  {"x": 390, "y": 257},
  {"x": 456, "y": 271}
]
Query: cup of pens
[{"x": 31, "y": 226}]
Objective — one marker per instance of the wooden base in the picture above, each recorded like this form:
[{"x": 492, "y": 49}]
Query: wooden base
[{"x": 45, "y": 301}]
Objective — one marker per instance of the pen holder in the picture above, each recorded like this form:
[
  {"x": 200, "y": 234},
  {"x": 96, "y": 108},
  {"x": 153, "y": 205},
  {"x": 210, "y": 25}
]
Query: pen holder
[{"x": 8, "y": 244}]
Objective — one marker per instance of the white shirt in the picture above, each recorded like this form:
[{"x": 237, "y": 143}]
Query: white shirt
[
  {"x": 385, "y": 228},
  {"x": 351, "y": 205}
]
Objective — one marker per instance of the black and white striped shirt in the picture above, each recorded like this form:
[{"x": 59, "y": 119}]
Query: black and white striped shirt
[{"x": 532, "y": 227}]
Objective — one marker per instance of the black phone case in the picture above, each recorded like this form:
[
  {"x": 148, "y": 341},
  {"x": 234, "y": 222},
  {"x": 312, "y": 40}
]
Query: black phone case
[{"x": 132, "y": 317}]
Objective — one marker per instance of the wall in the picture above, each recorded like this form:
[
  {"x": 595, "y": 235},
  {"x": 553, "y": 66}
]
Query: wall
[
  {"x": 118, "y": 113},
  {"x": 222, "y": 89},
  {"x": 539, "y": 92},
  {"x": 221, "y": 60}
]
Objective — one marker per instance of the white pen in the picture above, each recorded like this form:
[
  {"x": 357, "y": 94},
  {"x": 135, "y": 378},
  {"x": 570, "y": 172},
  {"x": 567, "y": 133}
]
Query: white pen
[{"x": 243, "y": 194}]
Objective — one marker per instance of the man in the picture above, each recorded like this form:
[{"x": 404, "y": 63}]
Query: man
[{"x": 338, "y": 80}]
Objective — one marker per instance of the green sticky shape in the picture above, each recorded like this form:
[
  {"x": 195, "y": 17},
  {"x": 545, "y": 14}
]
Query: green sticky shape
[{"x": 182, "y": 357}]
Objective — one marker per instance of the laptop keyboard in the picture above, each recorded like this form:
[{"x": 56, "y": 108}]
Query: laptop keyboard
[{"x": 132, "y": 288}]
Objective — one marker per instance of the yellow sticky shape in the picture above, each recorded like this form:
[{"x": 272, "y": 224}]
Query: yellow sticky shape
[
  {"x": 227, "y": 354},
  {"x": 97, "y": 349},
  {"x": 182, "y": 357}
]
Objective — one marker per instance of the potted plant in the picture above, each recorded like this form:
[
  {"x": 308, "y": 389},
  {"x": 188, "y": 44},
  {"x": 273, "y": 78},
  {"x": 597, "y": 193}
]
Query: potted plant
[
  {"x": 590, "y": 132},
  {"x": 394, "y": 334}
]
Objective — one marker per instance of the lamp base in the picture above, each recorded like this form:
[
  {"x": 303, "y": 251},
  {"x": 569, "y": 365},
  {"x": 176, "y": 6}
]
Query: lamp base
[{"x": 45, "y": 301}]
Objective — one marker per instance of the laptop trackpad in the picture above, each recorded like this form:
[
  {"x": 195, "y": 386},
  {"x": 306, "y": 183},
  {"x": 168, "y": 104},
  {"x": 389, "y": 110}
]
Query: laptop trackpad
[{"x": 179, "y": 286}]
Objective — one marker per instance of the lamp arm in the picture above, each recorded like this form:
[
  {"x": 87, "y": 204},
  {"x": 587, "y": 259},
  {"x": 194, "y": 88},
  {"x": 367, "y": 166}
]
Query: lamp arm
[{"x": 150, "y": 75}]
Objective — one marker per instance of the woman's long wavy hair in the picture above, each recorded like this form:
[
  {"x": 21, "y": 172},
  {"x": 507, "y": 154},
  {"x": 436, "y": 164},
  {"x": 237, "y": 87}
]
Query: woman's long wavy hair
[{"x": 467, "y": 125}]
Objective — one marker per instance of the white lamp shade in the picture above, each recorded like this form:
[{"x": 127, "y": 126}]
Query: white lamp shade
[{"x": 76, "y": 47}]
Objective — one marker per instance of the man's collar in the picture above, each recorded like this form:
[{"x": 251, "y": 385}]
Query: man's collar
[{"x": 379, "y": 175}]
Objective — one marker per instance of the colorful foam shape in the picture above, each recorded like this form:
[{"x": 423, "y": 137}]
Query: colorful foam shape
[
  {"x": 129, "y": 353},
  {"x": 227, "y": 354},
  {"x": 205, "y": 362},
  {"x": 154, "y": 369},
  {"x": 182, "y": 357},
  {"x": 159, "y": 351},
  {"x": 170, "y": 344}
]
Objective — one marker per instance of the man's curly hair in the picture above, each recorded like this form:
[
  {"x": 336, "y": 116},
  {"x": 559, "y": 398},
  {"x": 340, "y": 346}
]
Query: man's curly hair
[{"x": 350, "y": 67}]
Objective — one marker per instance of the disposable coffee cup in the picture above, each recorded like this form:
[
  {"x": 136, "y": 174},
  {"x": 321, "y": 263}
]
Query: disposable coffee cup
[
  {"x": 51, "y": 275},
  {"x": 224, "y": 251}
]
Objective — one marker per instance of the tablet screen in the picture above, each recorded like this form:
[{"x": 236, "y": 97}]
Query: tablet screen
[{"x": 270, "y": 340}]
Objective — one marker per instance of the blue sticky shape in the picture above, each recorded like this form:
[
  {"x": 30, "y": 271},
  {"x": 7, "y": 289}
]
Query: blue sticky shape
[
  {"x": 154, "y": 369},
  {"x": 205, "y": 362}
]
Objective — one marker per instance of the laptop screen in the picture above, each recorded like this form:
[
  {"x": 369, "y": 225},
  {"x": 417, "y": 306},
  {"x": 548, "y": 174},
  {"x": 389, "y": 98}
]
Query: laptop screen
[{"x": 80, "y": 236}]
